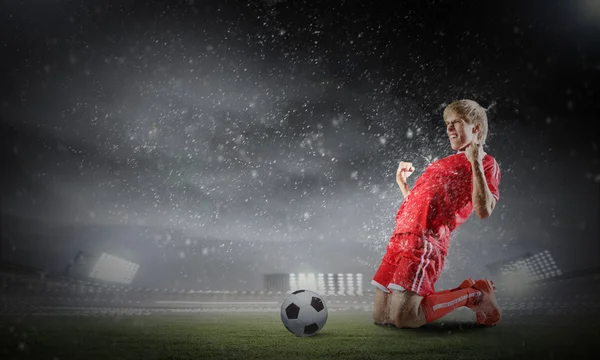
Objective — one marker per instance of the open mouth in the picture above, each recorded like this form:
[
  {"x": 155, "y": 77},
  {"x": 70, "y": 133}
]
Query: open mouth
[{"x": 453, "y": 136}]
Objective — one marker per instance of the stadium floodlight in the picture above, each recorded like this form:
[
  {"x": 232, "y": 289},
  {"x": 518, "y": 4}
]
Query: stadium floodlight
[
  {"x": 359, "y": 284},
  {"x": 542, "y": 266},
  {"x": 293, "y": 282},
  {"x": 528, "y": 268},
  {"x": 311, "y": 281},
  {"x": 327, "y": 283},
  {"x": 114, "y": 269},
  {"x": 301, "y": 280},
  {"x": 350, "y": 283},
  {"x": 307, "y": 281},
  {"x": 321, "y": 283},
  {"x": 330, "y": 284},
  {"x": 341, "y": 284}
]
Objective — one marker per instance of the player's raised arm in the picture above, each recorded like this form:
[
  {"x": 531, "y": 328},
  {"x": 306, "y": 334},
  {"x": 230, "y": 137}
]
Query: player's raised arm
[
  {"x": 482, "y": 198},
  {"x": 405, "y": 169}
]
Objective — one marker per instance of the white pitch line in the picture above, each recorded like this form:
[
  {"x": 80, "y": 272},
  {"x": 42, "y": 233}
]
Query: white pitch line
[{"x": 217, "y": 302}]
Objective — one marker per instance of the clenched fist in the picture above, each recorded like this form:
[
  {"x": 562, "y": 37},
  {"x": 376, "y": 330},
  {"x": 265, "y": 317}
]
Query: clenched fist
[
  {"x": 474, "y": 151},
  {"x": 405, "y": 169}
]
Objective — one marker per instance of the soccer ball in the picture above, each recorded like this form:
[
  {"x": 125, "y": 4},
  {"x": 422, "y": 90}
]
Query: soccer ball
[{"x": 303, "y": 313}]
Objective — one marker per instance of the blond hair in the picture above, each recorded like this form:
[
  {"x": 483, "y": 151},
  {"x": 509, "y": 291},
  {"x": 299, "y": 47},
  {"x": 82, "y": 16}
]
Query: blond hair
[{"x": 472, "y": 113}]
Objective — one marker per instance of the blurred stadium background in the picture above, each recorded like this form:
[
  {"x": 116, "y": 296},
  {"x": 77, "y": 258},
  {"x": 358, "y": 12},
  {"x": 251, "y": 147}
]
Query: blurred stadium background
[{"x": 101, "y": 284}]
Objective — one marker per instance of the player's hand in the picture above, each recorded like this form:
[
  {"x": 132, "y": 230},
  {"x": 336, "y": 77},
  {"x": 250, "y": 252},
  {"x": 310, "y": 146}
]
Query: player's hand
[
  {"x": 405, "y": 169},
  {"x": 474, "y": 151}
]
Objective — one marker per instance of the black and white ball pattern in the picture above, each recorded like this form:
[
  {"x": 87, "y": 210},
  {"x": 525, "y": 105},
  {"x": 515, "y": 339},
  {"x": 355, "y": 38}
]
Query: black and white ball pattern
[{"x": 304, "y": 313}]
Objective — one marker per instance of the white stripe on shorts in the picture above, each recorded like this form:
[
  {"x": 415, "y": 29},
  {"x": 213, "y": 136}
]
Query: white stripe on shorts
[
  {"x": 422, "y": 265},
  {"x": 379, "y": 286},
  {"x": 396, "y": 287}
]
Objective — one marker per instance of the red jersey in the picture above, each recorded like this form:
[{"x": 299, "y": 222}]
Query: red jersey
[{"x": 440, "y": 201}]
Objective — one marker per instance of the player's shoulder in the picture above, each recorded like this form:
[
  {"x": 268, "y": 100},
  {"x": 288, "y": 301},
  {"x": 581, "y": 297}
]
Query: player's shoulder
[
  {"x": 489, "y": 160},
  {"x": 491, "y": 165}
]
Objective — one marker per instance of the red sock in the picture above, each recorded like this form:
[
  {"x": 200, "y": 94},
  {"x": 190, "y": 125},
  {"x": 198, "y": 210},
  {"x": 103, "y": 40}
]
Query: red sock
[
  {"x": 446, "y": 291},
  {"x": 456, "y": 288},
  {"x": 438, "y": 305}
]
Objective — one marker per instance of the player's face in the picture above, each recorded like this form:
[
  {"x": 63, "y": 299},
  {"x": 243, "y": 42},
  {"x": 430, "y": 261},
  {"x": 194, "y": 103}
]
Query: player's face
[{"x": 460, "y": 132}]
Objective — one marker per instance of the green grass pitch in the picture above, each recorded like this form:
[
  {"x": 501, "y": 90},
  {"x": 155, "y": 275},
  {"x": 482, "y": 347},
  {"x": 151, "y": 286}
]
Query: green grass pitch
[{"x": 218, "y": 336}]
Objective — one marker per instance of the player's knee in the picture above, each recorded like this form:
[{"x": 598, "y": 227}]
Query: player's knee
[
  {"x": 378, "y": 317},
  {"x": 406, "y": 322},
  {"x": 380, "y": 307},
  {"x": 379, "y": 314},
  {"x": 409, "y": 316}
]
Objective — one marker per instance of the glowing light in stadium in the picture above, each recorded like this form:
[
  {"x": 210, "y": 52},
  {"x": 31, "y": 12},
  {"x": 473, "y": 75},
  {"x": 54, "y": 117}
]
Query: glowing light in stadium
[
  {"x": 113, "y": 269},
  {"x": 536, "y": 267},
  {"x": 327, "y": 284}
]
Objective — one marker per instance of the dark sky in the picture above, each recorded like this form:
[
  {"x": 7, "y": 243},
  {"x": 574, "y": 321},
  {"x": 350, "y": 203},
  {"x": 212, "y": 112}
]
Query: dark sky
[{"x": 272, "y": 129}]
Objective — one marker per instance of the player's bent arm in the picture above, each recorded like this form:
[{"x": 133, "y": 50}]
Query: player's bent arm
[
  {"x": 404, "y": 188},
  {"x": 482, "y": 198}
]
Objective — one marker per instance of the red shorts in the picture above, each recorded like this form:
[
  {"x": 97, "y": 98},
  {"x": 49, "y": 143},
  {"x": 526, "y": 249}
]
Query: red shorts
[{"x": 412, "y": 263}]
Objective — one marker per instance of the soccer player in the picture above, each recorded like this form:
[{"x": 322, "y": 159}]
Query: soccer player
[{"x": 442, "y": 199}]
